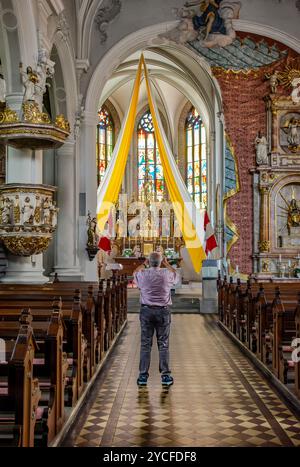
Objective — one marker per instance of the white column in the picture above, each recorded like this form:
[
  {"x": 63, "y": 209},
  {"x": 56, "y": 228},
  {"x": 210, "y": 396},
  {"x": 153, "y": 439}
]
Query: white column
[
  {"x": 23, "y": 166},
  {"x": 88, "y": 186},
  {"x": 66, "y": 250}
]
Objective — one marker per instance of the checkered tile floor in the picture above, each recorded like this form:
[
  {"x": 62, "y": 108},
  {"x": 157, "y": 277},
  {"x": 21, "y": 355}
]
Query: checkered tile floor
[{"x": 218, "y": 398}]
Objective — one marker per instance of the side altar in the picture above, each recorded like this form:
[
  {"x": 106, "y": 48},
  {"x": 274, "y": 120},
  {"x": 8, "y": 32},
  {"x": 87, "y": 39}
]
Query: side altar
[{"x": 276, "y": 180}]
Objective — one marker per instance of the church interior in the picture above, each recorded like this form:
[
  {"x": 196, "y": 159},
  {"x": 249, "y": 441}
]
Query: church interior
[{"x": 129, "y": 127}]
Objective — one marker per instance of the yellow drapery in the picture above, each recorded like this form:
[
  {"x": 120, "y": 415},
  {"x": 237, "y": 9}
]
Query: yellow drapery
[{"x": 190, "y": 222}]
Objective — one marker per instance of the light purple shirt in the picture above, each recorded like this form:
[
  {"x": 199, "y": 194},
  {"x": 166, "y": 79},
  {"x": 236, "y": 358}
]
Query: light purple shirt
[{"x": 155, "y": 285}]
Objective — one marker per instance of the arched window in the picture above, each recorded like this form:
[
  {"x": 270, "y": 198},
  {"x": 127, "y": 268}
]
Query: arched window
[
  {"x": 196, "y": 166},
  {"x": 151, "y": 184},
  {"x": 105, "y": 141}
]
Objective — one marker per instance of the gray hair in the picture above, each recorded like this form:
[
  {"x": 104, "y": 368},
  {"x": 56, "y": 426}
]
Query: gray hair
[{"x": 155, "y": 259}]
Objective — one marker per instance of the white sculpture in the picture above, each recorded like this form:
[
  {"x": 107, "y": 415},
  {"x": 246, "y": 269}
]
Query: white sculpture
[
  {"x": 5, "y": 211},
  {"x": 296, "y": 90},
  {"x": 46, "y": 211},
  {"x": 53, "y": 214},
  {"x": 2, "y": 89},
  {"x": 216, "y": 19},
  {"x": 27, "y": 211},
  {"x": 261, "y": 145},
  {"x": 45, "y": 69},
  {"x": 293, "y": 136},
  {"x": 29, "y": 80},
  {"x": 273, "y": 81}
]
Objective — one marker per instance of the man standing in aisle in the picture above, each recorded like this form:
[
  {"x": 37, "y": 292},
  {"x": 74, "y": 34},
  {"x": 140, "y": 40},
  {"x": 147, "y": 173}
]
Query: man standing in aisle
[{"x": 155, "y": 285}]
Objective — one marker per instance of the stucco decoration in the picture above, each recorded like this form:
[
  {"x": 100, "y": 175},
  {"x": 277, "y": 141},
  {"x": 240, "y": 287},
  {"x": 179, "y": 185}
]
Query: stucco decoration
[
  {"x": 105, "y": 15},
  {"x": 197, "y": 27}
]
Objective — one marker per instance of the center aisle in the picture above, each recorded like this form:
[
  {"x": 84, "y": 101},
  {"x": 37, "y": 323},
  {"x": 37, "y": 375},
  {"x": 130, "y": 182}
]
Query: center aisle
[{"x": 218, "y": 398}]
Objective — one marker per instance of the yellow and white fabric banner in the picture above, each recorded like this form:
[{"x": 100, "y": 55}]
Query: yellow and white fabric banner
[
  {"x": 189, "y": 218},
  {"x": 110, "y": 186}
]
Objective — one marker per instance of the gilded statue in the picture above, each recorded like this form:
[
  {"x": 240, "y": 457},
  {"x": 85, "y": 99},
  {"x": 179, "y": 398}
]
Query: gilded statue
[
  {"x": 292, "y": 211},
  {"x": 37, "y": 211},
  {"x": 17, "y": 210},
  {"x": 293, "y": 219},
  {"x": 91, "y": 232}
]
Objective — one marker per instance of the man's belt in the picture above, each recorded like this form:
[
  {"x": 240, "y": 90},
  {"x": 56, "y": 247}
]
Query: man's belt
[{"x": 154, "y": 306}]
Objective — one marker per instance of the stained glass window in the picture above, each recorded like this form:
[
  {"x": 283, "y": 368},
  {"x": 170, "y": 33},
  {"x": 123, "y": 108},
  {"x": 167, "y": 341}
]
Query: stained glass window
[
  {"x": 151, "y": 184},
  {"x": 105, "y": 141},
  {"x": 196, "y": 161}
]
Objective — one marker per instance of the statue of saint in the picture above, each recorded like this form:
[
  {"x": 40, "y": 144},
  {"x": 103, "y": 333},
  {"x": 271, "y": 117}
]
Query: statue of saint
[
  {"x": 137, "y": 252},
  {"x": 293, "y": 219},
  {"x": 261, "y": 145},
  {"x": 29, "y": 80},
  {"x": 17, "y": 210},
  {"x": 2, "y": 90},
  {"x": 46, "y": 211},
  {"x": 91, "y": 232},
  {"x": 293, "y": 136},
  {"x": 5, "y": 211},
  {"x": 37, "y": 211},
  {"x": 45, "y": 69},
  {"x": 27, "y": 211},
  {"x": 53, "y": 215}
]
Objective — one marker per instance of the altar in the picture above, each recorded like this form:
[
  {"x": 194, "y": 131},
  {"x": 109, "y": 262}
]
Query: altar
[{"x": 131, "y": 263}]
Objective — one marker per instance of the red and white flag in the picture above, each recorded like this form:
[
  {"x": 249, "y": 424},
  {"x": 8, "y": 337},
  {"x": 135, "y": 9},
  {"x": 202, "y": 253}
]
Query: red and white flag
[{"x": 211, "y": 242}]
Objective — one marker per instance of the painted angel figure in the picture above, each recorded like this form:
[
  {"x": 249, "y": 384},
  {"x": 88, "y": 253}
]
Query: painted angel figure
[{"x": 210, "y": 18}]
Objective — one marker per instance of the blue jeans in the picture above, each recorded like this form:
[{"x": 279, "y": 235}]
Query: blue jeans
[{"x": 158, "y": 319}]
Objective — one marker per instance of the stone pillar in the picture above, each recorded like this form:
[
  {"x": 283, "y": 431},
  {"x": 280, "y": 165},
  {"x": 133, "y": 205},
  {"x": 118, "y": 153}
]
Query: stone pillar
[
  {"x": 66, "y": 257},
  {"x": 23, "y": 166},
  {"x": 88, "y": 190},
  {"x": 264, "y": 243}
]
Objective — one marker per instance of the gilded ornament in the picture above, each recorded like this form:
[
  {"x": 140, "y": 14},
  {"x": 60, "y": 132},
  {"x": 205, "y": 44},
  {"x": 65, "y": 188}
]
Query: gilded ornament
[
  {"x": 8, "y": 116},
  {"x": 62, "y": 123},
  {"x": 32, "y": 114},
  {"x": 264, "y": 246},
  {"x": 26, "y": 246},
  {"x": 265, "y": 265},
  {"x": 17, "y": 210}
]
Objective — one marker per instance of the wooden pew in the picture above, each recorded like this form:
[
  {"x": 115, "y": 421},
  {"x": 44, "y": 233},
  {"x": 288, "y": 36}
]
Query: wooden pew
[
  {"x": 74, "y": 342},
  {"x": 20, "y": 398},
  {"x": 50, "y": 367}
]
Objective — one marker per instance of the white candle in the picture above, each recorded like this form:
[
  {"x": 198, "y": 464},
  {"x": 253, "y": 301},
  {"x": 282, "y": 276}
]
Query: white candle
[
  {"x": 167, "y": 242},
  {"x": 289, "y": 263},
  {"x": 279, "y": 258},
  {"x": 237, "y": 269}
]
